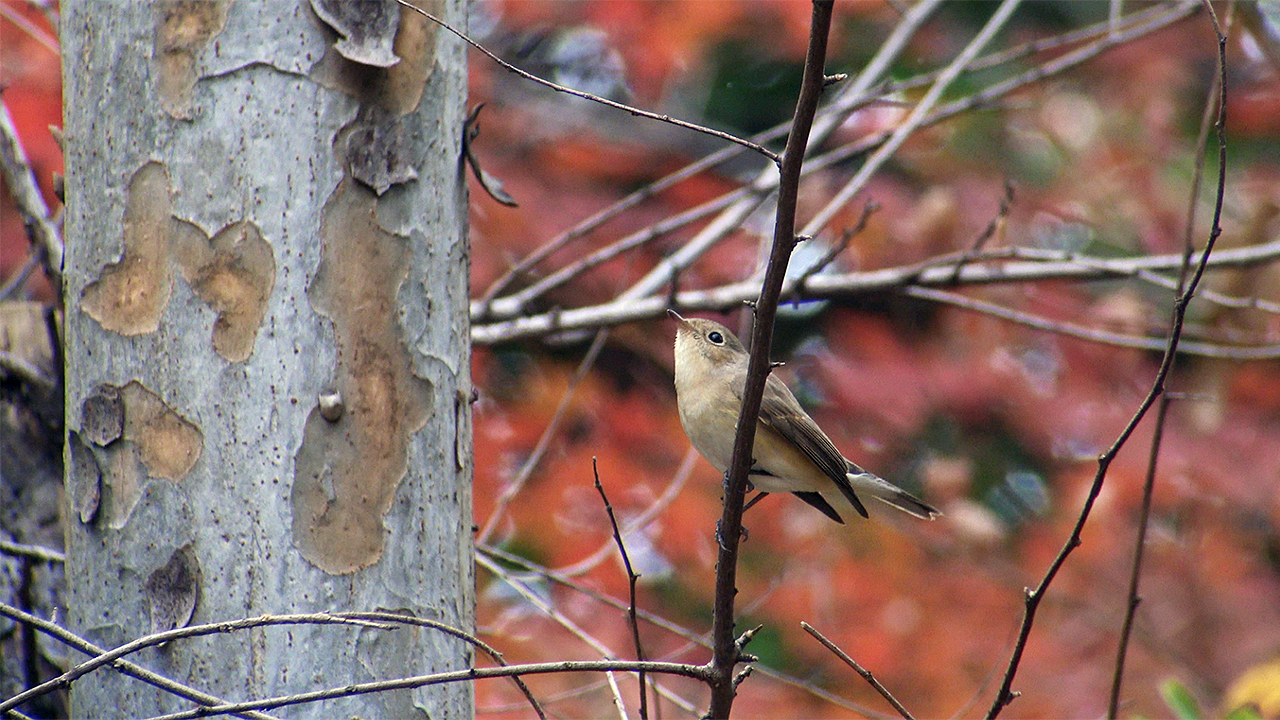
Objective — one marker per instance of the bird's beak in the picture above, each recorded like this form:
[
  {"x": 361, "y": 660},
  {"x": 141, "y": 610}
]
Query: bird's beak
[{"x": 678, "y": 318}]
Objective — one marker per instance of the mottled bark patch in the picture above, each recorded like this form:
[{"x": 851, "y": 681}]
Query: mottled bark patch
[
  {"x": 379, "y": 149},
  {"x": 234, "y": 275},
  {"x": 134, "y": 436},
  {"x": 129, "y": 296},
  {"x": 172, "y": 590},
  {"x": 183, "y": 27},
  {"x": 347, "y": 472},
  {"x": 84, "y": 484},
  {"x": 397, "y": 88},
  {"x": 168, "y": 444}
]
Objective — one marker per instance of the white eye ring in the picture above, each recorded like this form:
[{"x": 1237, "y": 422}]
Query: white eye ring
[{"x": 715, "y": 337}]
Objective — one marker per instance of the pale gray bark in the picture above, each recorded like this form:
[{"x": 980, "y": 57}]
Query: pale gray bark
[{"x": 223, "y": 270}]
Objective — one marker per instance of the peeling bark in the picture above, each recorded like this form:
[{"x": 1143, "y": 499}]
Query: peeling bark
[
  {"x": 346, "y": 473},
  {"x": 183, "y": 27}
]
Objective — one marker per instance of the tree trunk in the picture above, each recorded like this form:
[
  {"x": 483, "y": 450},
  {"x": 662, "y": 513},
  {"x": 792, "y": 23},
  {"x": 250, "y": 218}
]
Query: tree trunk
[{"x": 267, "y": 345}]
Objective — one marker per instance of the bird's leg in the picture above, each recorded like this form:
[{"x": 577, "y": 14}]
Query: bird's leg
[{"x": 754, "y": 500}]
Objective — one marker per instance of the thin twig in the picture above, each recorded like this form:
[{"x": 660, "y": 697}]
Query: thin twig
[
  {"x": 21, "y": 181},
  {"x": 70, "y": 639},
  {"x": 1105, "y": 337},
  {"x": 544, "y": 442},
  {"x": 594, "y": 98},
  {"x": 632, "y": 577},
  {"x": 35, "y": 552},
  {"x": 726, "y": 651},
  {"x": 917, "y": 119},
  {"x": 489, "y": 307},
  {"x": 865, "y": 673},
  {"x": 696, "y": 672},
  {"x": 488, "y": 557},
  {"x": 668, "y": 496},
  {"x": 996, "y": 224},
  {"x": 588, "y": 688},
  {"x": 514, "y": 304},
  {"x": 822, "y": 287},
  {"x": 1213, "y": 108},
  {"x": 534, "y": 599},
  {"x": 20, "y": 277},
  {"x": 836, "y": 248},
  {"x": 160, "y": 638},
  {"x": 486, "y": 648},
  {"x": 1033, "y": 597},
  {"x": 47, "y": 41}
]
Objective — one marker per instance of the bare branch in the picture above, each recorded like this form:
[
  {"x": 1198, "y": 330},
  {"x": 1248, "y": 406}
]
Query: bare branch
[
  {"x": 35, "y": 552},
  {"x": 641, "y": 520},
  {"x": 489, "y": 307},
  {"x": 632, "y": 577},
  {"x": 1214, "y": 107},
  {"x": 26, "y": 193},
  {"x": 345, "y": 618},
  {"x": 1033, "y": 597},
  {"x": 1105, "y": 337},
  {"x": 726, "y": 652},
  {"x": 20, "y": 278},
  {"x": 695, "y": 639},
  {"x": 865, "y": 673},
  {"x": 1053, "y": 265},
  {"x": 594, "y": 98},
  {"x": 696, "y": 672},
  {"x": 531, "y": 463},
  {"x": 490, "y": 184},
  {"x": 124, "y": 666},
  {"x": 530, "y": 595},
  {"x": 917, "y": 119},
  {"x": 834, "y": 251}
]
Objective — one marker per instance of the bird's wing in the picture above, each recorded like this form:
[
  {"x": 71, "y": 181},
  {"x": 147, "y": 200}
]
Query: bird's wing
[
  {"x": 816, "y": 500},
  {"x": 781, "y": 413}
]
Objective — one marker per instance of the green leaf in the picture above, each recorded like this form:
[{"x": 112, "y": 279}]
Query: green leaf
[
  {"x": 1179, "y": 700},
  {"x": 1244, "y": 712}
]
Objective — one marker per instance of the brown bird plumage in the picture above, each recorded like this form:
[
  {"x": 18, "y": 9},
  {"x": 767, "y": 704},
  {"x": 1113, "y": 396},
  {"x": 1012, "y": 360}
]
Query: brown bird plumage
[{"x": 791, "y": 452}]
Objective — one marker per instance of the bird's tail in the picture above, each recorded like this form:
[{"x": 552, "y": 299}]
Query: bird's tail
[{"x": 890, "y": 494}]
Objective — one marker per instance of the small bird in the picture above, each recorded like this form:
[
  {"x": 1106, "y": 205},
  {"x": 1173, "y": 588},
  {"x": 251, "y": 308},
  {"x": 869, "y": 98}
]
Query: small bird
[{"x": 791, "y": 453}]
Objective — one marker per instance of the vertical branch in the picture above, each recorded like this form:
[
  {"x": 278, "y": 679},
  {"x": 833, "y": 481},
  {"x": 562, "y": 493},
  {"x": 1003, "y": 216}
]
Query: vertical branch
[
  {"x": 1214, "y": 114},
  {"x": 726, "y": 649},
  {"x": 1033, "y": 597},
  {"x": 632, "y": 576}
]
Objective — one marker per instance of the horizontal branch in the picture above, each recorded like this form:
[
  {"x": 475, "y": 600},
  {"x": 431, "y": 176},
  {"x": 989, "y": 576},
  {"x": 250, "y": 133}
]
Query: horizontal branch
[
  {"x": 737, "y": 205},
  {"x": 35, "y": 552},
  {"x": 697, "y": 672},
  {"x": 362, "y": 619},
  {"x": 123, "y": 666},
  {"x": 1098, "y": 335},
  {"x": 985, "y": 269}
]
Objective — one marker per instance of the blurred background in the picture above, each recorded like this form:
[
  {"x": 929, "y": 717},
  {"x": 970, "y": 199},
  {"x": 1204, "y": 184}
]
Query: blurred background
[{"x": 996, "y": 423}]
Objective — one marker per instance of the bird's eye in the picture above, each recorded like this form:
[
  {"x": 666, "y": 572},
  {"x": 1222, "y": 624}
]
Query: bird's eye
[{"x": 715, "y": 337}]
